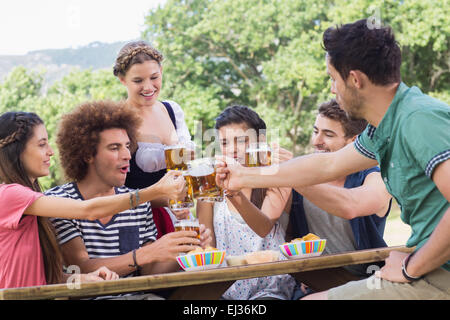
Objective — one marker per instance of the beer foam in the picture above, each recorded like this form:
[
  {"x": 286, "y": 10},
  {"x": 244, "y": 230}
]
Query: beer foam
[
  {"x": 187, "y": 223},
  {"x": 260, "y": 149},
  {"x": 201, "y": 171}
]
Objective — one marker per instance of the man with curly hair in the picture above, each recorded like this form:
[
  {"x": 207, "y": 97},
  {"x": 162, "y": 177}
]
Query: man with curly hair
[{"x": 95, "y": 142}]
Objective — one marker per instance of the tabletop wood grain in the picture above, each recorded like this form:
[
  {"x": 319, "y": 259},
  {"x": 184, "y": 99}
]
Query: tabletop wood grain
[{"x": 202, "y": 280}]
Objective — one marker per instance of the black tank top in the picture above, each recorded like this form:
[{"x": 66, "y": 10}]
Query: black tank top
[{"x": 138, "y": 179}]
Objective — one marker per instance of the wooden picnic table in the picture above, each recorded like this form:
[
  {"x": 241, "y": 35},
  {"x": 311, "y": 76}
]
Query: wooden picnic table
[{"x": 320, "y": 273}]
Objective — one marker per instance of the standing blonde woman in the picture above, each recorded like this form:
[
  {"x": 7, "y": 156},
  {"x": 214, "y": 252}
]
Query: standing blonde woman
[
  {"x": 139, "y": 68},
  {"x": 29, "y": 253}
]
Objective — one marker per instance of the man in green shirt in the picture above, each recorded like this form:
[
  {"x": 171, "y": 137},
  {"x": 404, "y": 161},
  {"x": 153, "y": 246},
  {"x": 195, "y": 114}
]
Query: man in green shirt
[{"x": 408, "y": 136}]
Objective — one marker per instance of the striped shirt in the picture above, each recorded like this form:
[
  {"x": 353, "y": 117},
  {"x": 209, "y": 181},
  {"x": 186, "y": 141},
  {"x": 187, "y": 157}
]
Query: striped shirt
[{"x": 126, "y": 231}]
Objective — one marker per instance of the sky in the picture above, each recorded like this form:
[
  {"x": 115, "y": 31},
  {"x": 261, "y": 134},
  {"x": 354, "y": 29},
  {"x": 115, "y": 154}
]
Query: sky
[{"x": 27, "y": 25}]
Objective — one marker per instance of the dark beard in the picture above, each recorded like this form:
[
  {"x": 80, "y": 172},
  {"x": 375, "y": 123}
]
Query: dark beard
[{"x": 356, "y": 107}]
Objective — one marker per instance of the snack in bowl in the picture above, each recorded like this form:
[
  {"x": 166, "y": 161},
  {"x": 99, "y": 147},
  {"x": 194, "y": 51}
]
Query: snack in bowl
[
  {"x": 309, "y": 236},
  {"x": 233, "y": 261},
  {"x": 253, "y": 257},
  {"x": 262, "y": 256},
  {"x": 201, "y": 259},
  {"x": 308, "y": 246},
  {"x": 200, "y": 249}
]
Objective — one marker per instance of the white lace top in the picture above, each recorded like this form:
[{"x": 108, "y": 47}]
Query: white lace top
[
  {"x": 235, "y": 237},
  {"x": 150, "y": 156}
]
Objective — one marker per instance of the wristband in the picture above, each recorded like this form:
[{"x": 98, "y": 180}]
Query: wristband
[
  {"x": 136, "y": 201},
  {"x": 135, "y": 265},
  {"x": 131, "y": 199},
  {"x": 136, "y": 193},
  {"x": 405, "y": 265}
]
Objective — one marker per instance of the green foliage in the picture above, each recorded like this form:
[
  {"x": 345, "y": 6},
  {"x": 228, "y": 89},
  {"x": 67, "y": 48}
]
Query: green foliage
[
  {"x": 266, "y": 54},
  {"x": 21, "y": 90},
  {"x": 19, "y": 85}
]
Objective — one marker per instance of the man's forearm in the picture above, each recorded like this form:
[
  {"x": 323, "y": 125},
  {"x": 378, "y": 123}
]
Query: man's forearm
[
  {"x": 435, "y": 252},
  {"x": 161, "y": 267},
  {"x": 301, "y": 171},
  {"x": 334, "y": 200},
  {"x": 307, "y": 170},
  {"x": 120, "y": 264}
]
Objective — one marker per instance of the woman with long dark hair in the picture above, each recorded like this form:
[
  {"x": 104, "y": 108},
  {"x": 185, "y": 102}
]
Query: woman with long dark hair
[{"x": 29, "y": 253}]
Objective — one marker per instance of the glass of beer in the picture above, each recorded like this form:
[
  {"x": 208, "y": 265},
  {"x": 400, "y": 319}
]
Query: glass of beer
[
  {"x": 202, "y": 175},
  {"x": 188, "y": 201},
  {"x": 177, "y": 157},
  {"x": 258, "y": 154},
  {"x": 188, "y": 225}
]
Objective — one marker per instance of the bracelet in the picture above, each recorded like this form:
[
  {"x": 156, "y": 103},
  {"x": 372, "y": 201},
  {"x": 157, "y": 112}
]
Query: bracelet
[
  {"x": 136, "y": 193},
  {"x": 405, "y": 265},
  {"x": 229, "y": 196},
  {"x": 131, "y": 199},
  {"x": 135, "y": 265}
]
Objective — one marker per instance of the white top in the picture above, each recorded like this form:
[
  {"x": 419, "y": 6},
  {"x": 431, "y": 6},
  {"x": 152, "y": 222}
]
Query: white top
[
  {"x": 150, "y": 156},
  {"x": 235, "y": 237}
]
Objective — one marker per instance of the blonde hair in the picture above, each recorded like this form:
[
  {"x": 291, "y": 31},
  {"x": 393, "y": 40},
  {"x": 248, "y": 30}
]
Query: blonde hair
[{"x": 133, "y": 53}]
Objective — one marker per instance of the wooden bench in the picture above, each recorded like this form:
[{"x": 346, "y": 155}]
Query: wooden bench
[{"x": 319, "y": 273}]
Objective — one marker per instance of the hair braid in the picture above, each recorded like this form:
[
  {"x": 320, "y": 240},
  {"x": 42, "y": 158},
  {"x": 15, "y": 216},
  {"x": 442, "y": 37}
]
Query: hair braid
[
  {"x": 130, "y": 51},
  {"x": 16, "y": 135}
]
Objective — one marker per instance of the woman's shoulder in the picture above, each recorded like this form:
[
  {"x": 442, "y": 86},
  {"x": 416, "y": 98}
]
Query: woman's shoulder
[
  {"x": 175, "y": 107},
  {"x": 11, "y": 188},
  {"x": 14, "y": 199}
]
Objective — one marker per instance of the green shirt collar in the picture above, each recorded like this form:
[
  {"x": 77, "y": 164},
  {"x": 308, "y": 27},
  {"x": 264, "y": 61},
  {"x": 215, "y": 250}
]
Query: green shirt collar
[{"x": 384, "y": 129}]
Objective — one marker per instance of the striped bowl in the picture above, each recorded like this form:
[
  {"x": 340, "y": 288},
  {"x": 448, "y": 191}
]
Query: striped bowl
[
  {"x": 303, "y": 249},
  {"x": 201, "y": 260}
]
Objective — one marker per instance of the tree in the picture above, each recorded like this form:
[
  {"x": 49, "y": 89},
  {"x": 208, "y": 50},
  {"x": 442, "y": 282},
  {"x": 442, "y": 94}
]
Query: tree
[
  {"x": 22, "y": 90},
  {"x": 18, "y": 85},
  {"x": 267, "y": 54}
]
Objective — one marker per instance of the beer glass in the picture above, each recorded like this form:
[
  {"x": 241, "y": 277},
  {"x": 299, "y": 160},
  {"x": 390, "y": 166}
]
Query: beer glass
[
  {"x": 188, "y": 225},
  {"x": 202, "y": 175},
  {"x": 177, "y": 157},
  {"x": 188, "y": 201},
  {"x": 258, "y": 154}
]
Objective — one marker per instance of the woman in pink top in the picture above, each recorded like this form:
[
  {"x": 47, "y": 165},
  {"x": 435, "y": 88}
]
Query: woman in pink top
[{"x": 29, "y": 253}]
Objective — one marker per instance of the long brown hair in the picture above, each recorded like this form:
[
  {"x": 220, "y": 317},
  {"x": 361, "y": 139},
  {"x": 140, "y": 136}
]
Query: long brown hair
[{"x": 16, "y": 128}]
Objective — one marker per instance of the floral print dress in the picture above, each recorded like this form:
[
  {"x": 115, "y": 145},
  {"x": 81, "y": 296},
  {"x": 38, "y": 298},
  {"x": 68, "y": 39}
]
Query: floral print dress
[{"x": 235, "y": 237}]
